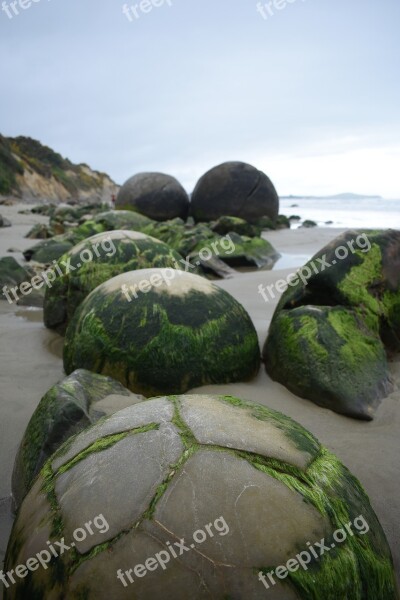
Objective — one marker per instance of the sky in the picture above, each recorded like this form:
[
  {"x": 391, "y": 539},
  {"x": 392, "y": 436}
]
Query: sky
[{"x": 307, "y": 91}]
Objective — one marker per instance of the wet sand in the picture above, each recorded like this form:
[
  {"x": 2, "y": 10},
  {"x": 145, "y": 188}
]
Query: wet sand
[{"x": 30, "y": 363}]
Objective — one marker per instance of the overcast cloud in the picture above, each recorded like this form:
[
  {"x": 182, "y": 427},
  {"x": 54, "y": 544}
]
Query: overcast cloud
[{"x": 310, "y": 94}]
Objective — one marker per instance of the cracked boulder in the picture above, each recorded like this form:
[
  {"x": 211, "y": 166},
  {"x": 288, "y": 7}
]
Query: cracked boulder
[
  {"x": 66, "y": 409},
  {"x": 94, "y": 261},
  {"x": 155, "y": 195},
  {"x": 236, "y": 189},
  {"x": 332, "y": 334},
  {"x": 198, "y": 497},
  {"x": 160, "y": 331}
]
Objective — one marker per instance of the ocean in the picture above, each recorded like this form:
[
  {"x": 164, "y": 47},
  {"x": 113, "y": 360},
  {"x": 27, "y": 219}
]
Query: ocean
[{"x": 360, "y": 213}]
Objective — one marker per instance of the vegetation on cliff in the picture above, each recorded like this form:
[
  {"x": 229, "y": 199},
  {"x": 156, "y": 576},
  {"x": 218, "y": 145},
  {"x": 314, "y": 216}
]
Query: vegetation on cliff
[{"x": 28, "y": 166}]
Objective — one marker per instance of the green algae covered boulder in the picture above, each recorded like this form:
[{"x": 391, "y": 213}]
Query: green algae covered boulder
[
  {"x": 179, "y": 235},
  {"x": 332, "y": 332},
  {"x": 13, "y": 274},
  {"x": 73, "y": 213},
  {"x": 238, "y": 251},
  {"x": 232, "y": 248},
  {"x": 66, "y": 409},
  {"x": 111, "y": 220},
  {"x": 110, "y": 254},
  {"x": 49, "y": 250},
  {"x": 162, "y": 331},
  {"x": 227, "y": 224},
  {"x": 198, "y": 497},
  {"x": 40, "y": 232}
]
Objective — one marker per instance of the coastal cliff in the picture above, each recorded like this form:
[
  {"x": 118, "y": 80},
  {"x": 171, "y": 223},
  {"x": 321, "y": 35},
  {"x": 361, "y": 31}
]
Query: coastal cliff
[{"x": 31, "y": 171}]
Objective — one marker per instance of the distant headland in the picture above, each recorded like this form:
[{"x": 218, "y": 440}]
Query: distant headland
[{"x": 345, "y": 196}]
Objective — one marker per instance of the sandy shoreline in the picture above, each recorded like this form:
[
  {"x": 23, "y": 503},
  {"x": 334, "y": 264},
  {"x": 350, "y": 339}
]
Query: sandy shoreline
[{"x": 30, "y": 364}]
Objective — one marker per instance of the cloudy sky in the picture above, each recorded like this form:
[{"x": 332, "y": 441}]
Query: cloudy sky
[{"x": 309, "y": 94}]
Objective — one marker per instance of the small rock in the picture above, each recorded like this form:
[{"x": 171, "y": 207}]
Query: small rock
[
  {"x": 308, "y": 224},
  {"x": 4, "y": 222}
]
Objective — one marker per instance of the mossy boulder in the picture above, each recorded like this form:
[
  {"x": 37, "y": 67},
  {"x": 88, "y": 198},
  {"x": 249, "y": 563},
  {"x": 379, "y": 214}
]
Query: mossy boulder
[
  {"x": 227, "y": 224},
  {"x": 232, "y": 248},
  {"x": 44, "y": 209},
  {"x": 73, "y": 213},
  {"x": 244, "y": 488},
  {"x": 49, "y": 250},
  {"x": 66, "y": 409},
  {"x": 111, "y": 220},
  {"x": 331, "y": 334},
  {"x": 180, "y": 332},
  {"x": 116, "y": 252},
  {"x": 156, "y": 195},
  {"x": 308, "y": 224},
  {"x": 237, "y": 251},
  {"x": 282, "y": 222},
  {"x": 40, "y": 232},
  {"x": 179, "y": 235},
  {"x": 12, "y": 273},
  {"x": 236, "y": 189}
]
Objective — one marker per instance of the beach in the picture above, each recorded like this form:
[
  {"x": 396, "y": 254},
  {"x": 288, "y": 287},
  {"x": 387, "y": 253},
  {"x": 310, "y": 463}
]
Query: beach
[{"x": 30, "y": 359}]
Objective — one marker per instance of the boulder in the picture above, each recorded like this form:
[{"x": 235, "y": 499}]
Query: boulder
[
  {"x": 225, "y": 225},
  {"x": 49, "y": 250},
  {"x": 183, "y": 332},
  {"x": 198, "y": 497},
  {"x": 66, "y": 409},
  {"x": 12, "y": 276},
  {"x": 155, "y": 195},
  {"x": 236, "y": 189},
  {"x": 40, "y": 232},
  {"x": 332, "y": 332},
  {"x": 308, "y": 224},
  {"x": 4, "y": 222},
  {"x": 116, "y": 252},
  {"x": 199, "y": 241}
]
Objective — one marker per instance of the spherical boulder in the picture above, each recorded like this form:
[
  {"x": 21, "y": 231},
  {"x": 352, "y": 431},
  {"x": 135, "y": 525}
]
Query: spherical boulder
[
  {"x": 162, "y": 331},
  {"x": 235, "y": 189},
  {"x": 197, "y": 497},
  {"x": 156, "y": 195},
  {"x": 95, "y": 260}
]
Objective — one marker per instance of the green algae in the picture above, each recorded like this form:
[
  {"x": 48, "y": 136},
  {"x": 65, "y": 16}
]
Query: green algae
[
  {"x": 359, "y": 345},
  {"x": 361, "y": 568},
  {"x": 48, "y": 488},
  {"x": 103, "y": 444},
  {"x": 303, "y": 439}
]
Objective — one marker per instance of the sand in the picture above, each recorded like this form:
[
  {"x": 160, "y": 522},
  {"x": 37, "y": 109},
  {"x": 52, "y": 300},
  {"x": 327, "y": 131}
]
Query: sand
[{"x": 30, "y": 363}]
